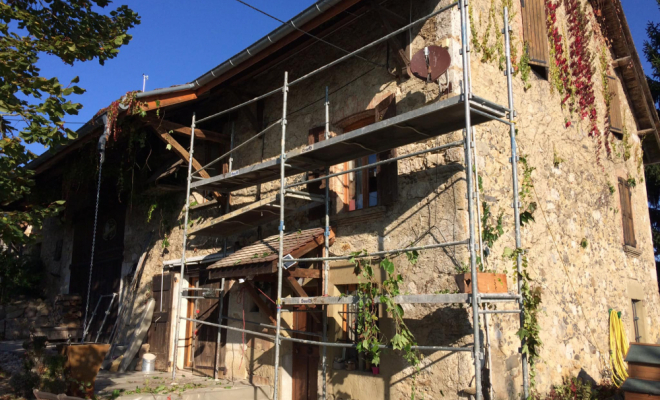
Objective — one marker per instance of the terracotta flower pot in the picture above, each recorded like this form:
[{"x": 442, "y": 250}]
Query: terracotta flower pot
[
  {"x": 487, "y": 282},
  {"x": 82, "y": 365}
]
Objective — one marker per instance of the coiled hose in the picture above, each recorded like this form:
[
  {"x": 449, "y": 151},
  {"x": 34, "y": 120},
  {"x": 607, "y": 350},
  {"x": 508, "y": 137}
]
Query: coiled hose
[{"x": 618, "y": 348}]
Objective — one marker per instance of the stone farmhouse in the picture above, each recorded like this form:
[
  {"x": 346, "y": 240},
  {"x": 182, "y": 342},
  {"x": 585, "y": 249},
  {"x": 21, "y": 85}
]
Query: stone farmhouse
[{"x": 585, "y": 125}]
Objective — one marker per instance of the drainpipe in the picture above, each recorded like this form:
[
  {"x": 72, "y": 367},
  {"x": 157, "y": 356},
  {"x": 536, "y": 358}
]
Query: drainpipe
[{"x": 104, "y": 137}]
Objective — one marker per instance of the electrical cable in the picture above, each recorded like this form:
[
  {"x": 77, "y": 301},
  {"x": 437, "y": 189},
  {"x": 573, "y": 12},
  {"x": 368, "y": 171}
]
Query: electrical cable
[{"x": 307, "y": 33}]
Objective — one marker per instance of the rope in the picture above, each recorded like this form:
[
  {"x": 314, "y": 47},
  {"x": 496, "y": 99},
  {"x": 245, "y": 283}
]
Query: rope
[
  {"x": 271, "y": 300},
  {"x": 91, "y": 261},
  {"x": 618, "y": 347}
]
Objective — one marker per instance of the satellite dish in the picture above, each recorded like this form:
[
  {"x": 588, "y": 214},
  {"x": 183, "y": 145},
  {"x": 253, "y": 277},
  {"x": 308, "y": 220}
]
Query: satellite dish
[{"x": 430, "y": 63}]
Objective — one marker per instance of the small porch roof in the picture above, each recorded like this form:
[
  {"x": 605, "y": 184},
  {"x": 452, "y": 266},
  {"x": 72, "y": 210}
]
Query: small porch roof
[{"x": 261, "y": 257}]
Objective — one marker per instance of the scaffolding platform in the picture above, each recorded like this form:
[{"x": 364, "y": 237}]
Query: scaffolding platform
[
  {"x": 436, "y": 119},
  {"x": 446, "y": 298},
  {"x": 251, "y": 216}
]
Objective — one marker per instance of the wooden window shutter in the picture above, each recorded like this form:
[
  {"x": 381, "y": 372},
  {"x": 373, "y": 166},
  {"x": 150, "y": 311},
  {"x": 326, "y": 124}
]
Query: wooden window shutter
[
  {"x": 316, "y": 135},
  {"x": 625, "y": 196},
  {"x": 535, "y": 32},
  {"x": 388, "y": 173},
  {"x": 616, "y": 122}
]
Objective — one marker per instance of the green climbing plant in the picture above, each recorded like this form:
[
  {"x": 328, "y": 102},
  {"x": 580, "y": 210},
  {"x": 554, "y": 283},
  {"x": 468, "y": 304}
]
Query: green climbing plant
[
  {"x": 370, "y": 294},
  {"x": 530, "y": 331}
]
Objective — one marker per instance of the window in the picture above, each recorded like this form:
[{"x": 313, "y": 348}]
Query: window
[
  {"x": 625, "y": 196},
  {"x": 349, "y": 328},
  {"x": 360, "y": 187},
  {"x": 635, "y": 314},
  {"x": 616, "y": 122},
  {"x": 535, "y": 32},
  {"x": 366, "y": 188}
]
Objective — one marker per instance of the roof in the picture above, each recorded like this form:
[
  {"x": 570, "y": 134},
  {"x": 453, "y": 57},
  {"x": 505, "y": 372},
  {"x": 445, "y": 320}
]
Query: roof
[
  {"x": 633, "y": 78},
  {"x": 265, "y": 251},
  {"x": 323, "y": 10}
]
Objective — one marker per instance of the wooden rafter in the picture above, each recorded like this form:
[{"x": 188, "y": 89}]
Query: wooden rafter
[
  {"x": 263, "y": 307},
  {"x": 300, "y": 292},
  {"x": 182, "y": 152},
  {"x": 203, "y": 134}
]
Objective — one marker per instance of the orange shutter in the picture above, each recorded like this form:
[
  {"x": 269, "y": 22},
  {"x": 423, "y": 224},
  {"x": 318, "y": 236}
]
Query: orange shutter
[{"x": 535, "y": 32}]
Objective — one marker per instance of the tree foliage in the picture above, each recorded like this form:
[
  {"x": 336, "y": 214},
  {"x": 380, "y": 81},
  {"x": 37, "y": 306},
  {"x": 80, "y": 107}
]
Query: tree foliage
[
  {"x": 652, "y": 172},
  {"x": 73, "y": 31}
]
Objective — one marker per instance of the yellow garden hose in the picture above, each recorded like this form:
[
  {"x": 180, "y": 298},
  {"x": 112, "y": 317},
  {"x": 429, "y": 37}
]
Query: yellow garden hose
[{"x": 618, "y": 348}]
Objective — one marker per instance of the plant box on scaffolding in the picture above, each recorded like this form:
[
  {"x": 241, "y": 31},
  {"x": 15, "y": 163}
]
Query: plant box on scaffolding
[{"x": 487, "y": 282}]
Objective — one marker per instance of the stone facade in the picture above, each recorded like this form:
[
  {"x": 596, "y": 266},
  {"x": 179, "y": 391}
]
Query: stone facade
[{"x": 574, "y": 245}]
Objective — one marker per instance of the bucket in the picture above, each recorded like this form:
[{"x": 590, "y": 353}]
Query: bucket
[{"x": 148, "y": 362}]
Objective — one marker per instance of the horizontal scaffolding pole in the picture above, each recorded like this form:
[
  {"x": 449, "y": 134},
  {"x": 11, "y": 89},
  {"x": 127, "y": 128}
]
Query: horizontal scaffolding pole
[
  {"x": 491, "y": 116},
  {"x": 333, "y": 63},
  {"x": 258, "y": 135},
  {"x": 201, "y": 297},
  {"x": 380, "y": 253},
  {"x": 270, "y": 326},
  {"x": 389, "y": 160},
  {"x": 447, "y": 298},
  {"x": 499, "y": 312},
  {"x": 316, "y": 343}
]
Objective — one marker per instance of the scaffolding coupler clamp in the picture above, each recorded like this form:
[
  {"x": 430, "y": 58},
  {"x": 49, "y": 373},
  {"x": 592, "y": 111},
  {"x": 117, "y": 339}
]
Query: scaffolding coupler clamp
[
  {"x": 327, "y": 232},
  {"x": 281, "y": 227}
]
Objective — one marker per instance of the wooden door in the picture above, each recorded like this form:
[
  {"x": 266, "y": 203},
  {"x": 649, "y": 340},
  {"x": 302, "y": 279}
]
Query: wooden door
[
  {"x": 190, "y": 313},
  {"x": 159, "y": 331},
  {"x": 207, "y": 359},
  {"x": 305, "y": 358}
]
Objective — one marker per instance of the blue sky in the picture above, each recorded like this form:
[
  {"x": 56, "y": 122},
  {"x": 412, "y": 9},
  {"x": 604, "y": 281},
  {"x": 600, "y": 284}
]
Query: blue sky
[{"x": 179, "y": 41}]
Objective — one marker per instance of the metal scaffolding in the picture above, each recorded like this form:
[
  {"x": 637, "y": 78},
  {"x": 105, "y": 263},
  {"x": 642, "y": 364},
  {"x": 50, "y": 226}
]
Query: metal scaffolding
[{"x": 472, "y": 110}]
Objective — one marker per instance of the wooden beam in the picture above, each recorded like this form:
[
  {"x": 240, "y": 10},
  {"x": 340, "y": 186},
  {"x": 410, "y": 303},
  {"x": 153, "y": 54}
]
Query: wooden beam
[
  {"x": 304, "y": 273},
  {"x": 295, "y": 286},
  {"x": 263, "y": 307},
  {"x": 183, "y": 153},
  {"x": 645, "y": 132},
  {"x": 203, "y": 134},
  {"x": 621, "y": 62}
]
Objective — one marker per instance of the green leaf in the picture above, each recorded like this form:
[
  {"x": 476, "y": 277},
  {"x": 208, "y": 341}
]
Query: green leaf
[{"x": 387, "y": 265}]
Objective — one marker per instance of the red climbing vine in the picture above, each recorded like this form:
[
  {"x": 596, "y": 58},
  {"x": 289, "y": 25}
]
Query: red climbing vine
[
  {"x": 560, "y": 73},
  {"x": 127, "y": 102},
  {"x": 582, "y": 70}
]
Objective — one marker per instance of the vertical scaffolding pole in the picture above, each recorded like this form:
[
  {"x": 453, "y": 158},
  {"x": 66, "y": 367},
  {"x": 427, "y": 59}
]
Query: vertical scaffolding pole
[
  {"x": 516, "y": 204},
  {"x": 183, "y": 250},
  {"x": 285, "y": 91},
  {"x": 470, "y": 197},
  {"x": 219, "y": 340},
  {"x": 221, "y": 303},
  {"x": 326, "y": 263}
]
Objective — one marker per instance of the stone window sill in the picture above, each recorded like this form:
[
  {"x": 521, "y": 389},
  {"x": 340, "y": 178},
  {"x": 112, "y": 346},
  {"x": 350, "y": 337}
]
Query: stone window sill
[{"x": 632, "y": 251}]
